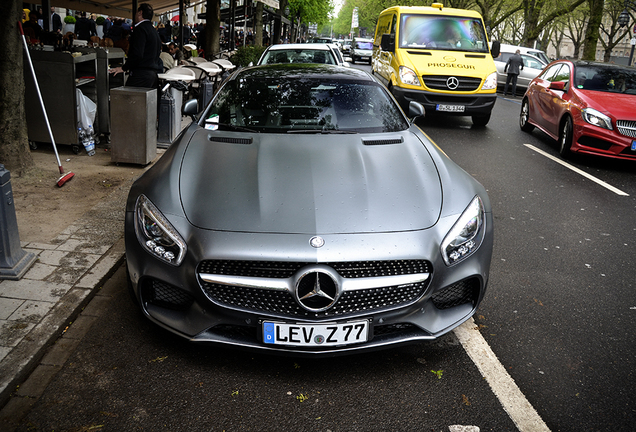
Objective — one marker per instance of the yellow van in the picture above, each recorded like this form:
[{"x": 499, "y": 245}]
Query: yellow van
[{"x": 439, "y": 57}]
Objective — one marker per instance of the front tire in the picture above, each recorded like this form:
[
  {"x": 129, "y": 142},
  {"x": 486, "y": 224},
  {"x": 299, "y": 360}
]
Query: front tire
[
  {"x": 524, "y": 116},
  {"x": 481, "y": 120},
  {"x": 565, "y": 138}
]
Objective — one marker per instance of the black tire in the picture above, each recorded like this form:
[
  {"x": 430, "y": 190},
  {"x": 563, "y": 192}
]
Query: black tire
[
  {"x": 481, "y": 120},
  {"x": 75, "y": 148},
  {"x": 524, "y": 115},
  {"x": 565, "y": 138},
  {"x": 33, "y": 145}
]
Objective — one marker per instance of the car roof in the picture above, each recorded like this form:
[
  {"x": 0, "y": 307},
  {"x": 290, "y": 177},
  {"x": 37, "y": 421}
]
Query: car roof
[
  {"x": 304, "y": 70},
  {"x": 297, "y": 46}
]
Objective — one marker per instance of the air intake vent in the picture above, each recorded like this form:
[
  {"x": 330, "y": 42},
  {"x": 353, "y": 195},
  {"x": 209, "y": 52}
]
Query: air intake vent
[
  {"x": 386, "y": 141},
  {"x": 420, "y": 52},
  {"x": 480, "y": 56},
  {"x": 229, "y": 140}
]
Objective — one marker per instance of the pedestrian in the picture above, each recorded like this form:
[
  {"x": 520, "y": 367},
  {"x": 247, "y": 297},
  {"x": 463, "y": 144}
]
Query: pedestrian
[
  {"x": 142, "y": 63},
  {"x": 56, "y": 21},
  {"x": 512, "y": 68},
  {"x": 176, "y": 53},
  {"x": 31, "y": 27},
  {"x": 85, "y": 28}
]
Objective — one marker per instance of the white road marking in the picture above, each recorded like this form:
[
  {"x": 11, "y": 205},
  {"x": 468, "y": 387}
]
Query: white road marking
[
  {"x": 578, "y": 171},
  {"x": 524, "y": 416}
]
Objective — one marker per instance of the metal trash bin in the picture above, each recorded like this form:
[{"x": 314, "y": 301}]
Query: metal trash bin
[{"x": 133, "y": 117}]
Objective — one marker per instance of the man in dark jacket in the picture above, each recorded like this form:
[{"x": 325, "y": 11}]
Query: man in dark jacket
[
  {"x": 142, "y": 63},
  {"x": 513, "y": 65},
  {"x": 85, "y": 28}
]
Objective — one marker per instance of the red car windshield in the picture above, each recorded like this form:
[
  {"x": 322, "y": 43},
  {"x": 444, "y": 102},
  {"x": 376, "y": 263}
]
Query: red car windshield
[{"x": 611, "y": 79}]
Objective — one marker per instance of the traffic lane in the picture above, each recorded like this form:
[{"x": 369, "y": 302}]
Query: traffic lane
[
  {"x": 128, "y": 373},
  {"x": 559, "y": 309}
]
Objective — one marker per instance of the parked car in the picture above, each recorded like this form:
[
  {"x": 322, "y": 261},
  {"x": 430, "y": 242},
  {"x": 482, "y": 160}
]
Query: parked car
[
  {"x": 361, "y": 50},
  {"x": 302, "y": 53},
  {"x": 346, "y": 46},
  {"x": 304, "y": 213},
  {"x": 532, "y": 66},
  {"x": 588, "y": 107},
  {"x": 511, "y": 49}
]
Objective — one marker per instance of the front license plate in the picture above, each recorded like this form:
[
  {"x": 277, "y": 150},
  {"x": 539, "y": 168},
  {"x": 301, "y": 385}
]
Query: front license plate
[
  {"x": 634, "y": 145},
  {"x": 364, "y": 58},
  {"x": 278, "y": 333},
  {"x": 450, "y": 108}
]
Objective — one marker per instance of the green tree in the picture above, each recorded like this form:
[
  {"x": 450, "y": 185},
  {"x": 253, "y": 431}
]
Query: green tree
[
  {"x": 14, "y": 146},
  {"x": 610, "y": 30},
  {"x": 592, "y": 33}
]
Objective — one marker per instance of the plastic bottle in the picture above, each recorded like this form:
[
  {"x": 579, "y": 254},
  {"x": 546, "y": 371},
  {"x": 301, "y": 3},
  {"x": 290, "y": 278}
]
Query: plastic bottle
[{"x": 89, "y": 143}]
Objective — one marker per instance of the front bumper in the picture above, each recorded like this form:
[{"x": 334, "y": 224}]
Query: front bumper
[
  {"x": 177, "y": 299},
  {"x": 597, "y": 141},
  {"x": 474, "y": 104}
]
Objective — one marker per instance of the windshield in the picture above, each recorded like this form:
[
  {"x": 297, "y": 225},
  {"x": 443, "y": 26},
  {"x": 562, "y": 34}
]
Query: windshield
[
  {"x": 293, "y": 103},
  {"x": 308, "y": 55},
  {"x": 606, "y": 79},
  {"x": 443, "y": 33},
  {"x": 362, "y": 45}
]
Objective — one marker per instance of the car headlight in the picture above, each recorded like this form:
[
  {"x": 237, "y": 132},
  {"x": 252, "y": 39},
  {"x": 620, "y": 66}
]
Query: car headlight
[
  {"x": 466, "y": 235},
  {"x": 156, "y": 234},
  {"x": 597, "y": 118},
  {"x": 407, "y": 76},
  {"x": 490, "y": 82}
]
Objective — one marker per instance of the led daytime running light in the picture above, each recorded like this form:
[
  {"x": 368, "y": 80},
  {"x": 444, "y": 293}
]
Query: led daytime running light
[{"x": 156, "y": 234}]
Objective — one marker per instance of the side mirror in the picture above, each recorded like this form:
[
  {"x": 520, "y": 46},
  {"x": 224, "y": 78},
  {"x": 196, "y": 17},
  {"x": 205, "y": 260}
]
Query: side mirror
[
  {"x": 190, "y": 108},
  {"x": 557, "y": 85},
  {"x": 387, "y": 43},
  {"x": 496, "y": 49},
  {"x": 416, "y": 110}
]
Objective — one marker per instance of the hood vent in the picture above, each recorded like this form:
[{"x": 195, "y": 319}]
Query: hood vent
[
  {"x": 229, "y": 140},
  {"x": 420, "y": 52},
  {"x": 480, "y": 56},
  {"x": 396, "y": 140}
]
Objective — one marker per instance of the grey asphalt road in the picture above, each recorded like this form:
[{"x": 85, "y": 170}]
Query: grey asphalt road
[{"x": 561, "y": 309}]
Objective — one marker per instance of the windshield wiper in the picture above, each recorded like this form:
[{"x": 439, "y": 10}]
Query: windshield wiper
[
  {"x": 321, "y": 131},
  {"x": 234, "y": 127}
]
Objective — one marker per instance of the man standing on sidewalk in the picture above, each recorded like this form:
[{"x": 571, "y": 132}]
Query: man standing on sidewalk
[
  {"x": 142, "y": 63},
  {"x": 513, "y": 65}
]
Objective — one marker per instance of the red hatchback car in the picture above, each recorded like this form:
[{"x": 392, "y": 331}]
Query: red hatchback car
[{"x": 587, "y": 107}]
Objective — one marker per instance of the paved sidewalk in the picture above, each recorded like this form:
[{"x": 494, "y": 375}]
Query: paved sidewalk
[{"x": 69, "y": 271}]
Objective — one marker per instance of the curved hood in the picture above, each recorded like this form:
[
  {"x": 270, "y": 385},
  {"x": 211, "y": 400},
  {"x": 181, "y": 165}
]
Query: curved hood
[
  {"x": 458, "y": 63},
  {"x": 309, "y": 184},
  {"x": 621, "y": 106}
]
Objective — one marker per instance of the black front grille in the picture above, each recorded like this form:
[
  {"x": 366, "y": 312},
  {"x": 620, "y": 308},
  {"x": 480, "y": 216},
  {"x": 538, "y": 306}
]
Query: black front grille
[
  {"x": 164, "y": 295},
  {"x": 276, "y": 269},
  {"x": 466, "y": 291},
  {"x": 438, "y": 82}
]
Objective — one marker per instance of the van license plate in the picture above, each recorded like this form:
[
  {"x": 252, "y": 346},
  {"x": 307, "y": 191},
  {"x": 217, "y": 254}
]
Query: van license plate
[
  {"x": 450, "y": 108},
  {"x": 278, "y": 333}
]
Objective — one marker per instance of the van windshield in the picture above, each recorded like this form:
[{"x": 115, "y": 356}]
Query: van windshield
[{"x": 443, "y": 33}]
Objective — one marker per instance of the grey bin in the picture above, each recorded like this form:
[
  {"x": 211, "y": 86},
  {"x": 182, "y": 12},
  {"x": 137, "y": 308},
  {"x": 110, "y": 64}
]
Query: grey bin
[{"x": 133, "y": 117}]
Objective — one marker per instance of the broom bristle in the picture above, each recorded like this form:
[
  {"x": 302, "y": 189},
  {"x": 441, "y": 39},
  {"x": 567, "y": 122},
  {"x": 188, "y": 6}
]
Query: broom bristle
[{"x": 66, "y": 177}]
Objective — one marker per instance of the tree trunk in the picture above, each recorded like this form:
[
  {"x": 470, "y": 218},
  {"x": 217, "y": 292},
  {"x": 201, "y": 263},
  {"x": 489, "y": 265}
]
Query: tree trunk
[
  {"x": 212, "y": 27},
  {"x": 592, "y": 31},
  {"x": 14, "y": 145},
  {"x": 258, "y": 24}
]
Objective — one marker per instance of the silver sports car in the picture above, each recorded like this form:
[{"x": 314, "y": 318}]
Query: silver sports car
[{"x": 303, "y": 213}]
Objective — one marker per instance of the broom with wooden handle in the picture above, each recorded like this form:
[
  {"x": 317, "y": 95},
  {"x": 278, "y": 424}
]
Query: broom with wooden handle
[{"x": 65, "y": 176}]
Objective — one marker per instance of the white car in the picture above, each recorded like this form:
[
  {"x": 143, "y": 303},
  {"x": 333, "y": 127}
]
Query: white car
[
  {"x": 302, "y": 53},
  {"x": 361, "y": 50},
  {"x": 532, "y": 67}
]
